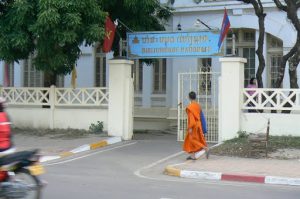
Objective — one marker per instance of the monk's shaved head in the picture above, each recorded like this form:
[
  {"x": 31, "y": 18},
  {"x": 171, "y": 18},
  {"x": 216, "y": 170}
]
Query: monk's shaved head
[{"x": 192, "y": 95}]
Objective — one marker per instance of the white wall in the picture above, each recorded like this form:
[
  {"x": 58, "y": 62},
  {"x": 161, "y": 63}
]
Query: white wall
[
  {"x": 280, "y": 124},
  {"x": 85, "y": 69},
  {"x": 79, "y": 118},
  {"x": 63, "y": 118},
  {"x": 276, "y": 22},
  {"x": 29, "y": 117},
  {"x": 181, "y": 65},
  {"x": 85, "y": 72}
]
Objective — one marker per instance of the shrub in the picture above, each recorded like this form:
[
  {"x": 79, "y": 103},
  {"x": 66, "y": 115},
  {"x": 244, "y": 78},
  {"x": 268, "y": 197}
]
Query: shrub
[
  {"x": 96, "y": 128},
  {"x": 242, "y": 134}
]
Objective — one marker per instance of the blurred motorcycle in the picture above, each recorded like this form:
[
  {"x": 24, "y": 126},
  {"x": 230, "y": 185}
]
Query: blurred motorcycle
[{"x": 19, "y": 175}]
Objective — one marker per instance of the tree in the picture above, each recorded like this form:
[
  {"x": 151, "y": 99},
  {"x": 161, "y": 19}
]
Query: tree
[
  {"x": 291, "y": 8},
  {"x": 16, "y": 39},
  {"x": 52, "y": 31},
  {"x": 61, "y": 27},
  {"x": 259, "y": 11},
  {"x": 146, "y": 15}
]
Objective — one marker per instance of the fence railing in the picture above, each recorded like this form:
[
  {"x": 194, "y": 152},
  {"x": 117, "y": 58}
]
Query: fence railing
[
  {"x": 271, "y": 99},
  {"x": 97, "y": 96}
]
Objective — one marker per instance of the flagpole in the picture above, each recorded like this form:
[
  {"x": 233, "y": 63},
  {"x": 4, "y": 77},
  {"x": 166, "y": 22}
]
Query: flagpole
[
  {"x": 121, "y": 40},
  {"x": 118, "y": 20},
  {"x": 233, "y": 43}
]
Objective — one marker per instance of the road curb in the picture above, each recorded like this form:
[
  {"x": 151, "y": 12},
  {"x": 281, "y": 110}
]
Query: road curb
[
  {"x": 86, "y": 147},
  {"x": 207, "y": 175}
]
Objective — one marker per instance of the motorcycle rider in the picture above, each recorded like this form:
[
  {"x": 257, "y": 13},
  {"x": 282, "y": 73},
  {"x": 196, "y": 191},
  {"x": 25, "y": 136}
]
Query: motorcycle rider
[{"x": 6, "y": 146}]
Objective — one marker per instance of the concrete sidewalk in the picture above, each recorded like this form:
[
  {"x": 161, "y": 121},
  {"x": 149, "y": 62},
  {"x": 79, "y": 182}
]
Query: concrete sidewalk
[
  {"x": 55, "y": 148},
  {"x": 269, "y": 171}
]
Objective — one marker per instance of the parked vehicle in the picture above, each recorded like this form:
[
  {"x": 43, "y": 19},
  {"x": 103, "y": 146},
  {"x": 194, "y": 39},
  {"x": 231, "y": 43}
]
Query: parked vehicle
[{"x": 19, "y": 175}]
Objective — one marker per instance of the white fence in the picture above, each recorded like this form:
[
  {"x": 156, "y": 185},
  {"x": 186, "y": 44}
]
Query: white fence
[
  {"x": 83, "y": 97},
  {"x": 56, "y": 107},
  {"x": 271, "y": 99},
  {"x": 263, "y": 103}
]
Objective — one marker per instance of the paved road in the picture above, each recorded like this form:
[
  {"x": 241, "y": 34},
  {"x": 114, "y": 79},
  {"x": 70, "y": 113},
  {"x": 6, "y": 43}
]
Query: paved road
[{"x": 133, "y": 170}]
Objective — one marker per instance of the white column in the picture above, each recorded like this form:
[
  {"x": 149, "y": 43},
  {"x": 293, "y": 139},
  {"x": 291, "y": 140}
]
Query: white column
[
  {"x": 147, "y": 85},
  {"x": 120, "y": 105},
  {"x": 18, "y": 74},
  {"x": 231, "y": 85},
  {"x": 169, "y": 83},
  {"x": 52, "y": 106}
]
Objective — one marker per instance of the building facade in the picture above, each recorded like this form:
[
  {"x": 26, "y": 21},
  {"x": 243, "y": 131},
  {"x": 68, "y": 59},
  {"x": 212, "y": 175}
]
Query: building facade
[{"x": 156, "y": 85}]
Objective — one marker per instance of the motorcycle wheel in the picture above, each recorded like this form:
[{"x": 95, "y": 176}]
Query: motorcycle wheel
[{"x": 25, "y": 176}]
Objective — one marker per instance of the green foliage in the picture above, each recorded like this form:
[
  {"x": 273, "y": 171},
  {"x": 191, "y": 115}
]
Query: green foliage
[
  {"x": 96, "y": 128},
  {"x": 61, "y": 27},
  {"x": 53, "y": 30},
  {"x": 146, "y": 15},
  {"x": 242, "y": 134},
  {"x": 16, "y": 39}
]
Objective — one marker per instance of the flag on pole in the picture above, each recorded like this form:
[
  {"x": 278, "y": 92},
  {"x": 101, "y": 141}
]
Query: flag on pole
[
  {"x": 6, "y": 74},
  {"x": 225, "y": 28},
  {"x": 74, "y": 77},
  {"x": 110, "y": 30}
]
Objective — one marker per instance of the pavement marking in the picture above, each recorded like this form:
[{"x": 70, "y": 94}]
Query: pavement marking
[
  {"x": 186, "y": 180},
  {"x": 94, "y": 153},
  {"x": 83, "y": 148},
  {"x": 138, "y": 172}
]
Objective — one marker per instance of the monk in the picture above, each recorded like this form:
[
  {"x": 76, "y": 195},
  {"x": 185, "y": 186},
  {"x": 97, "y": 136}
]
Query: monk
[{"x": 194, "y": 140}]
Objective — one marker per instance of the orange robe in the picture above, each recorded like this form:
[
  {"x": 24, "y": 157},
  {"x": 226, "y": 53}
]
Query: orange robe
[{"x": 194, "y": 141}]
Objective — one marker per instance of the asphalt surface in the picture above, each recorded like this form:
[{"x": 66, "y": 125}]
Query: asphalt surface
[{"x": 134, "y": 170}]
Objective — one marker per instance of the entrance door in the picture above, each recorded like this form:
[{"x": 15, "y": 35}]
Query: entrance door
[{"x": 205, "y": 84}]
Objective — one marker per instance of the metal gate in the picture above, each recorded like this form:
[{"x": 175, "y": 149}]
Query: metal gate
[{"x": 205, "y": 84}]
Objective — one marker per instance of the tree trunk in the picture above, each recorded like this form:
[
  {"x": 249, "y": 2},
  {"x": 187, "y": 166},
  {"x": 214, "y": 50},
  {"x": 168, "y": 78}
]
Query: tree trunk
[
  {"x": 284, "y": 60},
  {"x": 259, "y": 51},
  {"x": 293, "y": 64},
  {"x": 49, "y": 79}
]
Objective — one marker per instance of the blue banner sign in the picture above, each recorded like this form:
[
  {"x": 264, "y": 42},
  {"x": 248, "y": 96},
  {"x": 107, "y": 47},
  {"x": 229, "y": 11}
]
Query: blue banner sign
[{"x": 172, "y": 44}]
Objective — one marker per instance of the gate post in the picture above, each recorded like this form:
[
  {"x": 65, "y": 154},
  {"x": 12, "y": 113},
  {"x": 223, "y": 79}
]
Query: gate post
[
  {"x": 231, "y": 85},
  {"x": 120, "y": 105}
]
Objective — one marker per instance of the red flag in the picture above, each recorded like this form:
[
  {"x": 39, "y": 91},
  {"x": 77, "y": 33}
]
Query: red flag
[
  {"x": 6, "y": 75},
  {"x": 110, "y": 30},
  {"x": 224, "y": 29}
]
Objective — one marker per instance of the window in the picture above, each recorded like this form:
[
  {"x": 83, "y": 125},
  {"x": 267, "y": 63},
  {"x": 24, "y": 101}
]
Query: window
[
  {"x": 36, "y": 78},
  {"x": 249, "y": 36},
  {"x": 137, "y": 73},
  {"x": 204, "y": 67},
  {"x": 274, "y": 68},
  {"x": 249, "y": 54},
  {"x": 229, "y": 35},
  {"x": 32, "y": 76},
  {"x": 159, "y": 76},
  {"x": 9, "y": 72},
  {"x": 274, "y": 42},
  {"x": 229, "y": 51},
  {"x": 60, "y": 81},
  {"x": 100, "y": 68}
]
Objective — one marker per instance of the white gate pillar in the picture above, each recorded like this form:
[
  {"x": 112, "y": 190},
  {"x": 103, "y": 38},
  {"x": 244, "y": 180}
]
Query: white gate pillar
[
  {"x": 147, "y": 85},
  {"x": 120, "y": 105},
  {"x": 231, "y": 85}
]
